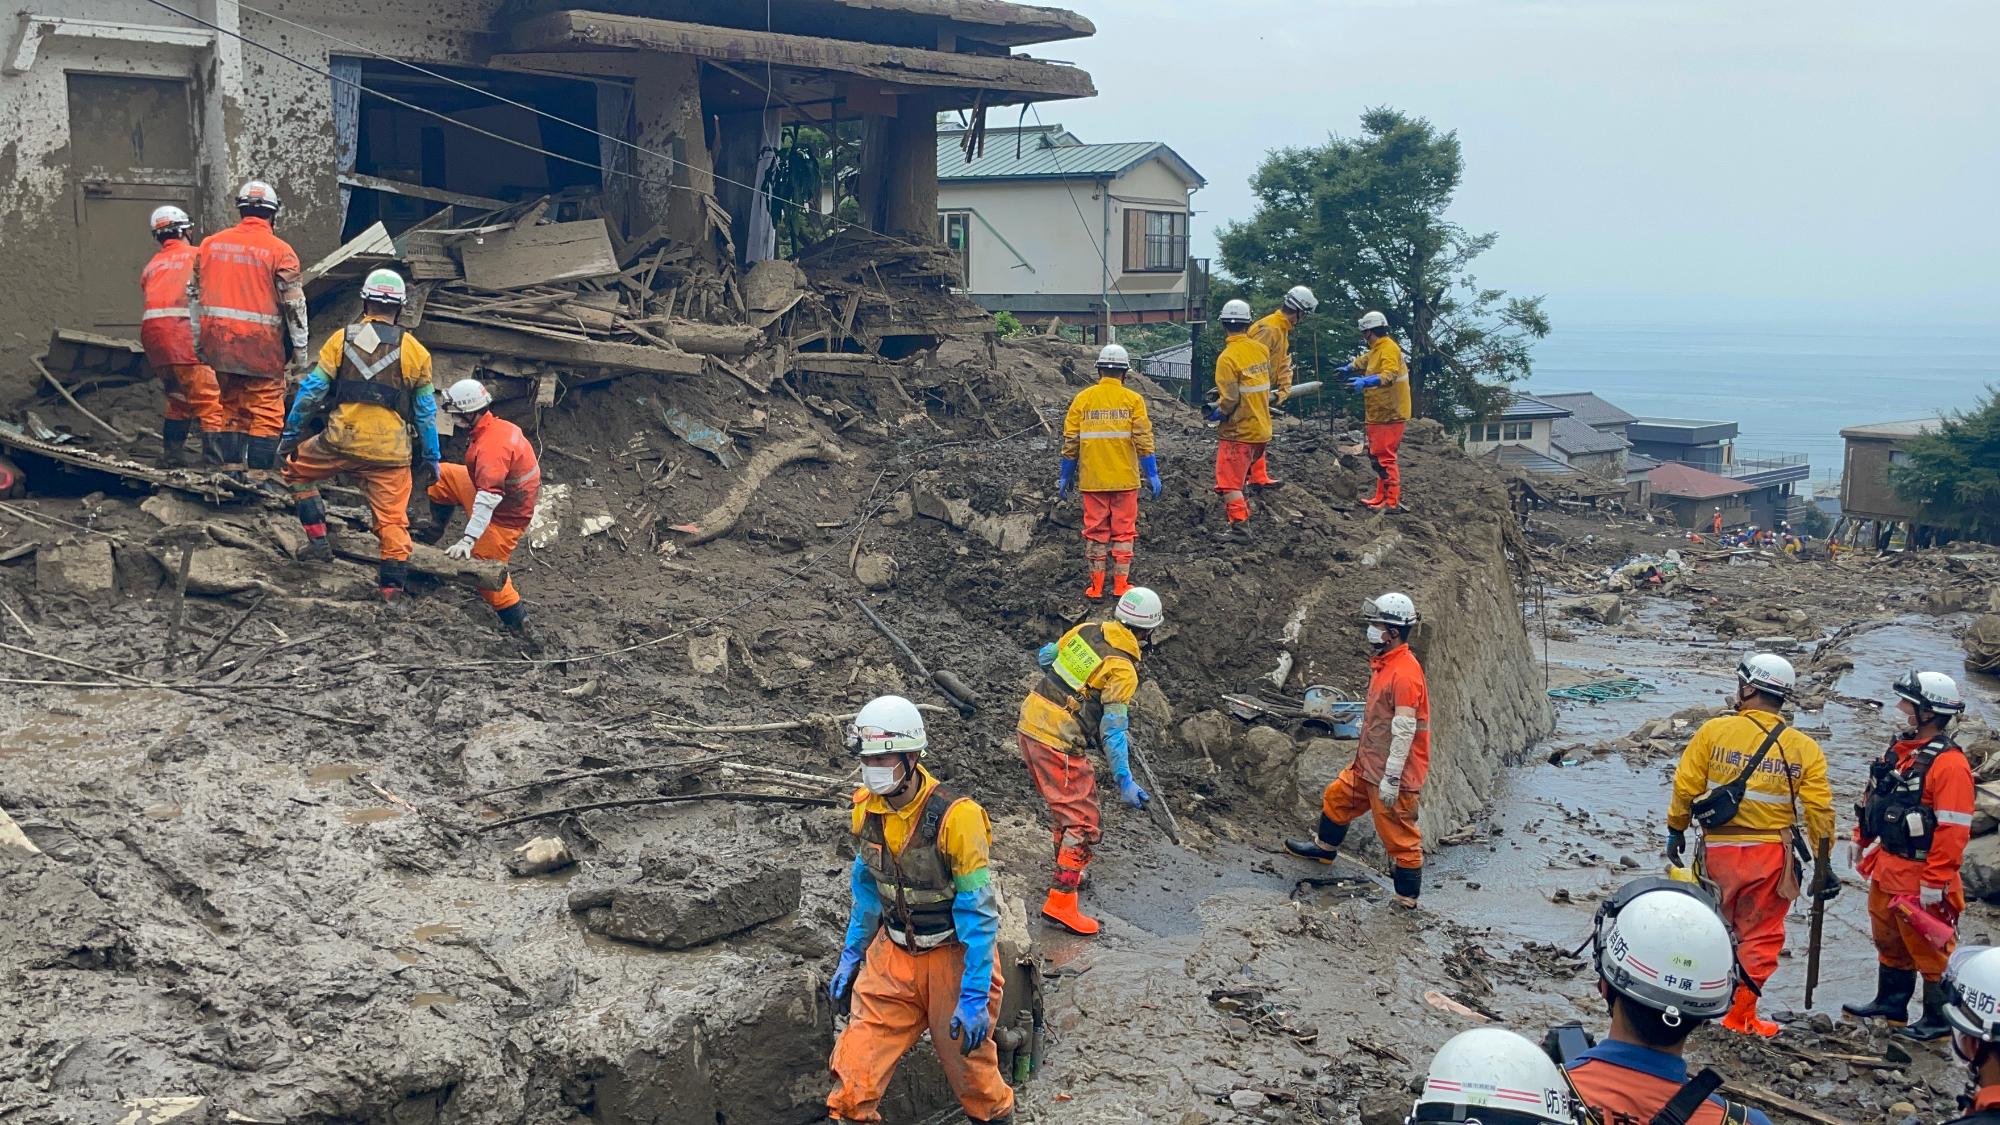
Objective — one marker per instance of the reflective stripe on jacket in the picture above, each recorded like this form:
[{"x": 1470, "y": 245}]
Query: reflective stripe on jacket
[
  {"x": 1398, "y": 681},
  {"x": 1795, "y": 769},
  {"x": 1102, "y": 659},
  {"x": 501, "y": 460},
  {"x": 243, "y": 271},
  {"x": 1107, "y": 430},
  {"x": 166, "y": 327},
  {"x": 362, "y": 426},
  {"x": 1948, "y": 792},
  {"x": 1243, "y": 376},
  {"x": 1389, "y": 402}
]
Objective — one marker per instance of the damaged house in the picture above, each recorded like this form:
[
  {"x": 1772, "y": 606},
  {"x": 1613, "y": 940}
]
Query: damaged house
[{"x": 578, "y": 192}]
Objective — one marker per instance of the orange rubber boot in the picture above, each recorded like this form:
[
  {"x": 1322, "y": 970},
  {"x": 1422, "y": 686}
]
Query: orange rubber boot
[
  {"x": 1062, "y": 909},
  {"x": 1742, "y": 1017},
  {"x": 1121, "y": 584},
  {"x": 1096, "y": 587}
]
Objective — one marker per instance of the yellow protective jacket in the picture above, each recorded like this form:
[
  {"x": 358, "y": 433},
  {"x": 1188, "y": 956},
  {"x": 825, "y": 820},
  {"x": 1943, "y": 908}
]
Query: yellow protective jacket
[
  {"x": 1243, "y": 377},
  {"x": 1792, "y": 775},
  {"x": 366, "y": 431},
  {"x": 1275, "y": 333},
  {"x": 1107, "y": 431},
  {"x": 1115, "y": 680},
  {"x": 1389, "y": 402}
]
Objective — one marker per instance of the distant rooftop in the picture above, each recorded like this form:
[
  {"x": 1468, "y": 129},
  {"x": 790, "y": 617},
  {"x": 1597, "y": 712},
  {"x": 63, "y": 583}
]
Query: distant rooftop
[
  {"x": 1672, "y": 478},
  {"x": 1682, "y": 423},
  {"x": 1639, "y": 463},
  {"x": 1049, "y": 152},
  {"x": 1533, "y": 463},
  {"x": 1888, "y": 431},
  {"x": 1577, "y": 438},
  {"x": 1522, "y": 407},
  {"x": 1588, "y": 408}
]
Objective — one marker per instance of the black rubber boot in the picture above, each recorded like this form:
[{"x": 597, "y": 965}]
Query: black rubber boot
[
  {"x": 1933, "y": 1024},
  {"x": 433, "y": 530},
  {"x": 1409, "y": 882},
  {"x": 393, "y": 576},
  {"x": 173, "y": 442},
  {"x": 1325, "y": 844},
  {"x": 515, "y": 618},
  {"x": 214, "y": 451},
  {"x": 1893, "y": 989}
]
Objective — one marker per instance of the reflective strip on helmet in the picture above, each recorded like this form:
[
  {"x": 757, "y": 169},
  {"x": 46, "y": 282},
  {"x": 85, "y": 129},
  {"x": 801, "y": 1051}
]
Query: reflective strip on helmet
[
  {"x": 370, "y": 370},
  {"x": 165, "y": 314},
  {"x": 1105, "y": 435},
  {"x": 208, "y": 311},
  {"x": 1961, "y": 819}
]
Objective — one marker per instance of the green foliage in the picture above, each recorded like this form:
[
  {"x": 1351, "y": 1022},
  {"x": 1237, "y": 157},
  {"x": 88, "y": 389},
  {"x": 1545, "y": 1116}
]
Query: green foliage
[
  {"x": 807, "y": 161},
  {"x": 1362, "y": 221},
  {"x": 1140, "y": 339},
  {"x": 1007, "y": 325},
  {"x": 1953, "y": 474},
  {"x": 1815, "y": 523}
]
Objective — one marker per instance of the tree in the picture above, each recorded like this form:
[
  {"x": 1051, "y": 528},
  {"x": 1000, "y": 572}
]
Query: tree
[
  {"x": 1362, "y": 221},
  {"x": 1953, "y": 472}
]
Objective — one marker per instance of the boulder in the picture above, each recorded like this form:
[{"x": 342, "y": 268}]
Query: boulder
[
  {"x": 540, "y": 856},
  {"x": 876, "y": 570},
  {"x": 173, "y": 509},
  {"x": 680, "y": 908},
  {"x": 85, "y": 568},
  {"x": 1981, "y": 868},
  {"x": 709, "y": 655},
  {"x": 1211, "y": 734},
  {"x": 1986, "y": 808},
  {"x": 1268, "y": 760},
  {"x": 1009, "y": 532},
  {"x": 1150, "y": 707},
  {"x": 1982, "y": 644},
  {"x": 1606, "y": 609}
]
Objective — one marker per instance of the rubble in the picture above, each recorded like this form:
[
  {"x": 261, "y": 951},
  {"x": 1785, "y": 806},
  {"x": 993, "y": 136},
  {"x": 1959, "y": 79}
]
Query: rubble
[{"x": 673, "y": 906}]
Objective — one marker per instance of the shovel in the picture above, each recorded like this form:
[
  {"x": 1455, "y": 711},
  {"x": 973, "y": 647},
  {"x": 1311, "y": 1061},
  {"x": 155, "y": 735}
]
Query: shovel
[{"x": 954, "y": 688}]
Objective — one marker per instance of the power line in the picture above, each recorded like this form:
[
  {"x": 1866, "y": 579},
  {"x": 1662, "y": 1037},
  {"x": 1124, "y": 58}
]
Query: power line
[{"x": 1102, "y": 238}]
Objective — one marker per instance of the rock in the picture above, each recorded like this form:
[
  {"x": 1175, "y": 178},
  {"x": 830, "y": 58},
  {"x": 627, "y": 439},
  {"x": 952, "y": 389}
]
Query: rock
[
  {"x": 85, "y": 568},
  {"x": 551, "y": 504},
  {"x": 1606, "y": 609},
  {"x": 286, "y": 532},
  {"x": 540, "y": 856},
  {"x": 1821, "y": 1023},
  {"x": 1981, "y": 868},
  {"x": 1211, "y": 734},
  {"x": 901, "y": 510},
  {"x": 173, "y": 509},
  {"x": 876, "y": 570},
  {"x": 214, "y": 570},
  {"x": 1268, "y": 760},
  {"x": 1246, "y": 1100},
  {"x": 1384, "y": 1107},
  {"x": 1009, "y": 533},
  {"x": 709, "y": 655},
  {"x": 1799, "y": 1070},
  {"x": 186, "y": 1110},
  {"x": 684, "y": 910},
  {"x": 1150, "y": 706},
  {"x": 927, "y": 501},
  {"x": 1982, "y": 644},
  {"x": 598, "y": 524}
]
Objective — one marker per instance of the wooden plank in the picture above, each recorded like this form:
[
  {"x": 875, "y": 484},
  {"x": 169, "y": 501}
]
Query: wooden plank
[
  {"x": 501, "y": 341},
  {"x": 483, "y": 574},
  {"x": 419, "y": 191},
  {"x": 536, "y": 255},
  {"x": 372, "y": 243},
  {"x": 566, "y": 30}
]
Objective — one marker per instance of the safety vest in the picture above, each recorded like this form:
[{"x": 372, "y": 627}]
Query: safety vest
[
  {"x": 1066, "y": 681},
  {"x": 915, "y": 887},
  {"x": 242, "y": 332},
  {"x": 372, "y": 375},
  {"x": 166, "y": 327},
  {"x": 1893, "y": 809}
]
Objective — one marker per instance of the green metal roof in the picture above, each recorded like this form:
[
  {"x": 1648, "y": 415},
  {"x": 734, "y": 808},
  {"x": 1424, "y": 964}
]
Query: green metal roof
[{"x": 1038, "y": 161}]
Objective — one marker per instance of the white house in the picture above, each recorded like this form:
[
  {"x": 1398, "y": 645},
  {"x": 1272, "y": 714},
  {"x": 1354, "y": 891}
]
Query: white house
[
  {"x": 1052, "y": 227},
  {"x": 1526, "y": 422}
]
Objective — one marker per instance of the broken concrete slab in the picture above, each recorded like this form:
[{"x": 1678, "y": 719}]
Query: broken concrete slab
[
  {"x": 215, "y": 570},
  {"x": 86, "y": 568},
  {"x": 1009, "y": 533},
  {"x": 173, "y": 509},
  {"x": 875, "y": 570},
  {"x": 678, "y": 907},
  {"x": 709, "y": 655},
  {"x": 1604, "y": 608}
]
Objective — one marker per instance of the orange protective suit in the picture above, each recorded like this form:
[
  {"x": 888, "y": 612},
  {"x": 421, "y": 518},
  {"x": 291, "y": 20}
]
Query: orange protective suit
[
  {"x": 898, "y": 995},
  {"x": 1397, "y": 681},
  {"x": 455, "y": 487},
  {"x": 1948, "y": 790},
  {"x": 386, "y": 486}
]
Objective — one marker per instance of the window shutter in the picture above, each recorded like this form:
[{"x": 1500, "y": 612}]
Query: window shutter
[{"x": 1135, "y": 240}]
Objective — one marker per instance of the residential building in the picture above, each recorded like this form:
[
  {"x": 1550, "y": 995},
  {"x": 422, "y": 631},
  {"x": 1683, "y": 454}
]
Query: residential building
[
  {"x": 1590, "y": 410},
  {"x": 1638, "y": 479},
  {"x": 1865, "y": 493},
  {"x": 1693, "y": 495},
  {"x": 1524, "y": 421},
  {"x": 1050, "y": 227},
  {"x": 1710, "y": 446},
  {"x": 1588, "y": 450},
  {"x": 116, "y": 107}
]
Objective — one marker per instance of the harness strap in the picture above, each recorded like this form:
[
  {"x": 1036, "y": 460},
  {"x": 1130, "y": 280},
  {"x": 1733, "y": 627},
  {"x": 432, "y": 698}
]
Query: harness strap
[{"x": 1693, "y": 1094}]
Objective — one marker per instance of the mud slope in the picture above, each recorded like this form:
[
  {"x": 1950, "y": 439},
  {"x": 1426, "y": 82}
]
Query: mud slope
[{"x": 274, "y": 893}]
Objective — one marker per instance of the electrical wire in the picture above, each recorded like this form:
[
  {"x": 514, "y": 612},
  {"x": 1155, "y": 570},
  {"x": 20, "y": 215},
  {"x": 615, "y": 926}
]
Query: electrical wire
[{"x": 1102, "y": 238}]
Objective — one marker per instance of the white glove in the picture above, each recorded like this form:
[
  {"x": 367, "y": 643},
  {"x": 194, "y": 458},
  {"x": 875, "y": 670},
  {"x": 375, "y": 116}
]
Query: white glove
[
  {"x": 1930, "y": 896},
  {"x": 1392, "y": 787},
  {"x": 461, "y": 549}
]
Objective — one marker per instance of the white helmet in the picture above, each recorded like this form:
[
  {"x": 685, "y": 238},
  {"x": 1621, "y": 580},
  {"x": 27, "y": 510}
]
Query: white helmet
[
  {"x": 889, "y": 724},
  {"x": 386, "y": 287},
  {"x": 1300, "y": 300},
  {"x": 1660, "y": 943},
  {"x": 1114, "y": 357},
  {"x": 1140, "y": 608},
  {"x": 1390, "y": 609},
  {"x": 1374, "y": 320},
  {"x": 1931, "y": 691},
  {"x": 467, "y": 396},
  {"x": 1492, "y": 1075},
  {"x": 1769, "y": 672},
  {"x": 170, "y": 222},
  {"x": 257, "y": 196},
  {"x": 1235, "y": 312},
  {"x": 1972, "y": 999}
]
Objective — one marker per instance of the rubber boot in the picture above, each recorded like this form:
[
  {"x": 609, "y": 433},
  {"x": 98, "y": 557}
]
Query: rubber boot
[
  {"x": 262, "y": 457},
  {"x": 1096, "y": 587},
  {"x": 1893, "y": 989},
  {"x": 1121, "y": 584},
  {"x": 1062, "y": 909},
  {"x": 214, "y": 452},
  {"x": 1742, "y": 1017},
  {"x": 173, "y": 442},
  {"x": 1325, "y": 843},
  {"x": 515, "y": 618},
  {"x": 1380, "y": 497},
  {"x": 433, "y": 530},
  {"x": 1236, "y": 531},
  {"x": 317, "y": 548},
  {"x": 393, "y": 576},
  {"x": 1409, "y": 883},
  {"x": 1933, "y": 1024}
]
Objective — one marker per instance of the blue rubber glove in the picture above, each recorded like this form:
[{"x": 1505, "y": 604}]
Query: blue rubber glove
[
  {"x": 1363, "y": 382},
  {"x": 1344, "y": 369},
  {"x": 424, "y": 412},
  {"x": 1129, "y": 789},
  {"x": 1065, "y": 478},
  {"x": 437, "y": 470},
  {"x": 306, "y": 404},
  {"x": 1149, "y": 466},
  {"x": 1114, "y": 731},
  {"x": 1047, "y": 655},
  {"x": 975, "y": 911},
  {"x": 1215, "y": 415},
  {"x": 863, "y": 917}
]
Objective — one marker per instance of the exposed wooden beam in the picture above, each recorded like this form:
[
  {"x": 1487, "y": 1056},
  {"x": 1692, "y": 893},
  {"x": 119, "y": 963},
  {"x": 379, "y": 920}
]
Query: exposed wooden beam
[
  {"x": 570, "y": 30},
  {"x": 441, "y": 335},
  {"x": 419, "y": 191}
]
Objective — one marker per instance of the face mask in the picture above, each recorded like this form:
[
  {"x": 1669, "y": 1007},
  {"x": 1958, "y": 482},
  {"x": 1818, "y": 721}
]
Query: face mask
[
  {"x": 1376, "y": 635},
  {"x": 881, "y": 780}
]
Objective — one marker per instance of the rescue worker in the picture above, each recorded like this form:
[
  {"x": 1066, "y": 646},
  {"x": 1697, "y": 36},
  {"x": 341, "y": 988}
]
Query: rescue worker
[
  {"x": 922, "y": 928},
  {"x": 1972, "y": 1009},
  {"x": 496, "y": 486},
  {"x": 1716, "y": 522},
  {"x": 373, "y": 380},
  {"x": 1913, "y": 822},
  {"x": 166, "y": 329},
  {"x": 1392, "y": 758},
  {"x": 252, "y": 306},
  {"x": 1083, "y": 700},
  {"x": 1492, "y": 1076},
  {"x": 1750, "y": 830},
  {"x": 1383, "y": 379},
  {"x": 1275, "y": 333},
  {"x": 1108, "y": 442},
  {"x": 1664, "y": 968},
  {"x": 1243, "y": 384}
]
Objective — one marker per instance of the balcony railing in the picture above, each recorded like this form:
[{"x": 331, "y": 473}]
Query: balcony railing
[{"x": 1757, "y": 463}]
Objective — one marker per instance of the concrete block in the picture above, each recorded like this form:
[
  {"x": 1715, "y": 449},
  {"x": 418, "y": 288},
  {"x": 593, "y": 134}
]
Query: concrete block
[
  {"x": 699, "y": 908},
  {"x": 172, "y": 509},
  {"x": 85, "y": 568},
  {"x": 1009, "y": 533}
]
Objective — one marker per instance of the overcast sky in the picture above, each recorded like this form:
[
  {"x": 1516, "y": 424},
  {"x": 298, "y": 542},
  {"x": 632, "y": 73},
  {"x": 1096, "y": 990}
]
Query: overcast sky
[{"x": 1641, "y": 159}]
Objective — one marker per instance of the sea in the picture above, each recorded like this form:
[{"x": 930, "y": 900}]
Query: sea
[{"x": 1790, "y": 388}]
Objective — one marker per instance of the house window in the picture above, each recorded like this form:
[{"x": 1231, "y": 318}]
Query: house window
[
  {"x": 955, "y": 231},
  {"x": 1483, "y": 431},
  {"x": 1516, "y": 431},
  {"x": 1156, "y": 241}
]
